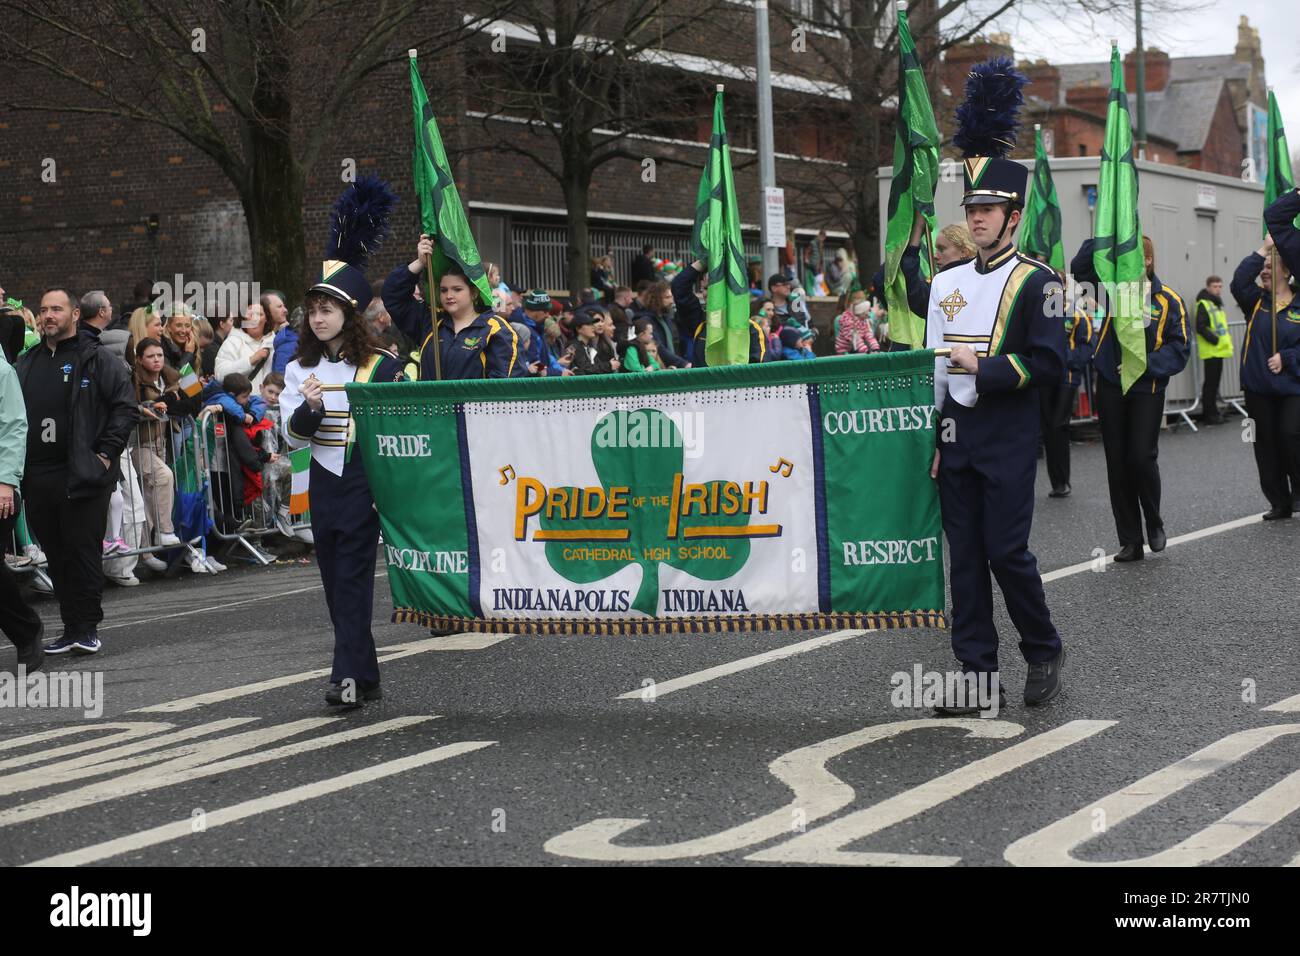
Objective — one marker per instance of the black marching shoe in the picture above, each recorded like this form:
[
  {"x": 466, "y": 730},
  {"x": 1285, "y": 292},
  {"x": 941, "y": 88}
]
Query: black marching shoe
[
  {"x": 1276, "y": 514},
  {"x": 353, "y": 694},
  {"x": 1156, "y": 539},
  {"x": 1130, "y": 552},
  {"x": 32, "y": 656},
  {"x": 1044, "y": 680},
  {"x": 964, "y": 708},
  {"x": 1060, "y": 491}
]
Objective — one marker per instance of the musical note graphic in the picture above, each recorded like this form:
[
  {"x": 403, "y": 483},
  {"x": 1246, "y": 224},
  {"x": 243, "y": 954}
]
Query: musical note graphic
[
  {"x": 786, "y": 468},
  {"x": 505, "y": 479}
]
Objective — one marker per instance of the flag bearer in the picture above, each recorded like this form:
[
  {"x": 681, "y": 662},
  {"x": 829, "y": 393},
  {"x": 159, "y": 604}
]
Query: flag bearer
[
  {"x": 336, "y": 347},
  {"x": 1270, "y": 360},
  {"x": 1001, "y": 314}
]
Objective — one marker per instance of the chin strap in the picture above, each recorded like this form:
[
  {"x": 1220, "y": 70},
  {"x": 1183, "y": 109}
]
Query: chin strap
[{"x": 1006, "y": 220}]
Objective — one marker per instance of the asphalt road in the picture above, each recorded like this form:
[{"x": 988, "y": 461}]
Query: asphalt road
[{"x": 508, "y": 751}]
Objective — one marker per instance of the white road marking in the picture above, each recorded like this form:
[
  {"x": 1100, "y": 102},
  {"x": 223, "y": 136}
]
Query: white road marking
[
  {"x": 275, "y": 801},
  {"x": 817, "y": 794},
  {"x": 744, "y": 664},
  {"x": 194, "y": 762},
  {"x": 473, "y": 641},
  {"x": 1054, "y": 845},
  {"x": 824, "y": 844},
  {"x": 211, "y": 607},
  {"x": 1290, "y": 705},
  {"x": 816, "y": 643},
  {"x": 115, "y": 759},
  {"x": 125, "y": 731}
]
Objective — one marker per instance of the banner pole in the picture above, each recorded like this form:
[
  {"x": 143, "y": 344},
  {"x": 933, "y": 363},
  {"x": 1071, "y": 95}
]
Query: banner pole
[{"x": 433, "y": 315}]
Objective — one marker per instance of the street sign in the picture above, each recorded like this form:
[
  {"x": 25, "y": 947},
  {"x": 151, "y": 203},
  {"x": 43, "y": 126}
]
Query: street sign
[
  {"x": 774, "y": 204},
  {"x": 1207, "y": 196}
]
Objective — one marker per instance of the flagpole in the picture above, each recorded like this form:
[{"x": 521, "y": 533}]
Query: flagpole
[{"x": 428, "y": 293}]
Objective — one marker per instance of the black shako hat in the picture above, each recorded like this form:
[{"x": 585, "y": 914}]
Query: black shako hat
[
  {"x": 358, "y": 226},
  {"x": 987, "y": 121}
]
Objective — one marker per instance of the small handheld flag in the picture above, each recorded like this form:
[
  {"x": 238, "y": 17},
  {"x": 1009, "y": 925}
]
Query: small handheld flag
[
  {"x": 300, "y": 462},
  {"x": 189, "y": 383}
]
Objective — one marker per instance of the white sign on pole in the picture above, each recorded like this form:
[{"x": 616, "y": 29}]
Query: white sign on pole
[
  {"x": 774, "y": 204},
  {"x": 1207, "y": 196}
]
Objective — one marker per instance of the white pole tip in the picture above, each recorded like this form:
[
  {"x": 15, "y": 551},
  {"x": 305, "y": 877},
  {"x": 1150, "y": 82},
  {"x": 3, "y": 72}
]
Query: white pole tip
[
  {"x": 902, "y": 5},
  {"x": 411, "y": 54},
  {"x": 1037, "y": 127},
  {"x": 720, "y": 87}
]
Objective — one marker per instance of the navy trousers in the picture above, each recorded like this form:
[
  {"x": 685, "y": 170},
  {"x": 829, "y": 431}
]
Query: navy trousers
[
  {"x": 345, "y": 527},
  {"x": 986, "y": 495}
]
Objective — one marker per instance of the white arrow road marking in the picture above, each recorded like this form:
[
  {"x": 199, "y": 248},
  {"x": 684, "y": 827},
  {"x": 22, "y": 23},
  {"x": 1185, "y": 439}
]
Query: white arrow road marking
[
  {"x": 125, "y": 731},
  {"x": 1290, "y": 705},
  {"x": 473, "y": 641},
  {"x": 1054, "y": 845},
  {"x": 816, "y": 643},
  {"x": 115, "y": 759},
  {"x": 275, "y": 801},
  {"x": 744, "y": 664},
  {"x": 817, "y": 794},
  {"x": 823, "y": 845},
  {"x": 192, "y": 763}
]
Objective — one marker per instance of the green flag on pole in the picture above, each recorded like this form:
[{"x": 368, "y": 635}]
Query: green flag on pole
[
  {"x": 1277, "y": 173},
  {"x": 1040, "y": 228},
  {"x": 916, "y": 172},
  {"x": 1118, "y": 255},
  {"x": 441, "y": 214},
  {"x": 715, "y": 241}
]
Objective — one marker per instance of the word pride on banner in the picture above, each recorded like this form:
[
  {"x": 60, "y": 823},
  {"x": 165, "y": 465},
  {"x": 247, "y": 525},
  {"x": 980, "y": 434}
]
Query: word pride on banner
[{"x": 785, "y": 496}]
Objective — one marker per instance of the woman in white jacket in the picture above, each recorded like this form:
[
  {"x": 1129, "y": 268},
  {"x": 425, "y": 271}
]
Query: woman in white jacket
[{"x": 247, "y": 349}]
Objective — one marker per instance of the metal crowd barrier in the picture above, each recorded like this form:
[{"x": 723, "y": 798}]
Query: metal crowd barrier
[
  {"x": 1230, "y": 390},
  {"x": 195, "y": 454}
]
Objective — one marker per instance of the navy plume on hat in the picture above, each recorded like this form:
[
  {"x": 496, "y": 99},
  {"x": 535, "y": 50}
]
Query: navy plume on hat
[
  {"x": 987, "y": 122},
  {"x": 358, "y": 226}
]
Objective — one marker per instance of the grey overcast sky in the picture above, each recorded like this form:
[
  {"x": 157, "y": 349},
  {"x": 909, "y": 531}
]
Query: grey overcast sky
[{"x": 1207, "y": 31}]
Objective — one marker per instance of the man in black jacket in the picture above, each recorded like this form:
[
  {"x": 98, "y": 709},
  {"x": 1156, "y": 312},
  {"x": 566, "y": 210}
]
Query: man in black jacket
[{"x": 80, "y": 412}]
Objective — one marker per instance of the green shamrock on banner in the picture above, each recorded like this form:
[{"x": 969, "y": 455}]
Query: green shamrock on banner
[{"x": 646, "y": 462}]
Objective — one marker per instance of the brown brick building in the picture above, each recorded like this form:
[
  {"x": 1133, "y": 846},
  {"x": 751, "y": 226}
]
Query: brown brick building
[
  {"x": 1197, "y": 112},
  {"x": 76, "y": 191}
]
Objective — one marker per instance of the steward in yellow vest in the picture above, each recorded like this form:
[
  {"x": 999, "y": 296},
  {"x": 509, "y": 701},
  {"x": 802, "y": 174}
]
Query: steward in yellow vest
[{"x": 1213, "y": 344}]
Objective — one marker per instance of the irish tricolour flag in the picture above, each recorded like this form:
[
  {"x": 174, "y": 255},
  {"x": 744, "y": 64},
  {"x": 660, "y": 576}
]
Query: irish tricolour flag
[
  {"x": 189, "y": 382},
  {"x": 301, "y": 462}
]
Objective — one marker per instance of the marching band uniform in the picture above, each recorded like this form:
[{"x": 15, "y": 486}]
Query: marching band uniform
[
  {"x": 691, "y": 314},
  {"x": 1130, "y": 422},
  {"x": 345, "y": 525},
  {"x": 1008, "y": 311},
  {"x": 1273, "y": 399},
  {"x": 486, "y": 348},
  {"x": 1057, "y": 403}
]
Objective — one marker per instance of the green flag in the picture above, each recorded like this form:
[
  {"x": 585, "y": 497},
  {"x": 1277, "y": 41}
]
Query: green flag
[
  {"x": 1277, "y": 173},
  {"x": 1040, "y": 229},
  {"x": 441, "y": 214},
  {"x": 916, "y": 171},
  {"x": 1117, "y": 255},
  {"x": 715, "y": 241}
]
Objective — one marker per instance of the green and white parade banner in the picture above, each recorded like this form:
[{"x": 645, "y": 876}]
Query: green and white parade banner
[{"x": 792, "y": 495}]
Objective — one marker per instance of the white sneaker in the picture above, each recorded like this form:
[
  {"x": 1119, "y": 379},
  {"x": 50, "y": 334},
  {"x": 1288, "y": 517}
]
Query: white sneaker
[
  {"x": 198, "y": 565},
  {"x": 129, "y": 581},
  {"x": 213, "y": 564},
  {"x": 153, "y": 563},
  {"x": 304, "y": 534},
  {"x": 35, "y": 553},
  {"x": 17, "y": 560},
  {"x": 167, "y": 538}
]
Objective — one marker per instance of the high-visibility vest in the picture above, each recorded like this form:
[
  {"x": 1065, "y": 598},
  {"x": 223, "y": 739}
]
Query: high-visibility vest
[{"x": 1219, "y": 323}]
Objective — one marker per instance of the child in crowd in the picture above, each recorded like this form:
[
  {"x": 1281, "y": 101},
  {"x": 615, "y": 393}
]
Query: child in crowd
[
  {"x": 642, "y": 354},
  {"x": 158, "y": 392},
  {"x": 278, "y": 474},
  {"x": 796, "y": 343},
  {"x": 855, "y": 335},
  {"x": 243, "y": 417}
]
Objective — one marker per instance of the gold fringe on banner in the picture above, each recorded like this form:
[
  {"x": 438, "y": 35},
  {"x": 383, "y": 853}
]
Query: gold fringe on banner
[{"x": 618, "y": 627}]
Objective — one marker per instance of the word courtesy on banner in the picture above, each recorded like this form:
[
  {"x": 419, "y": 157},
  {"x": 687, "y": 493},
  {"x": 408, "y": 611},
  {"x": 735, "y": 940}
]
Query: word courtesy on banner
[{"x": 784, "y": 496}]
